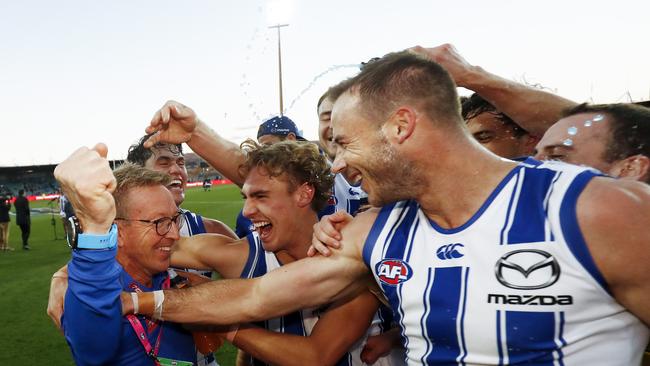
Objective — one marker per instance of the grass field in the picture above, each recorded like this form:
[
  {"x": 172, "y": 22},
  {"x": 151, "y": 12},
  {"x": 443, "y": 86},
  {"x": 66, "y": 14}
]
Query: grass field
[{"x": 27, "y": 335}]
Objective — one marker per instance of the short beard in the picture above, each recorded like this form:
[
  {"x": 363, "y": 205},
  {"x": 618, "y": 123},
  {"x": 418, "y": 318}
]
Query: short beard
[{"x": 395, "y": 177}]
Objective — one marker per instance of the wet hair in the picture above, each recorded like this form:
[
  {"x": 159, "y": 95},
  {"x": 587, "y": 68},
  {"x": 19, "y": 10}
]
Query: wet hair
[
  {"x": 403, "y": 77},
  {"x": 475, "y": 105},
  {"x": 129, "y": 176},
  {"x": 299, "y": 161},
  {"x": 138, "y": 154},
  {"x": 629, "y": 128}
]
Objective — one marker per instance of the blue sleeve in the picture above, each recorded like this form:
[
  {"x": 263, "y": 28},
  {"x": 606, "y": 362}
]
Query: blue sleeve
[{"x": 92, "y": 322}]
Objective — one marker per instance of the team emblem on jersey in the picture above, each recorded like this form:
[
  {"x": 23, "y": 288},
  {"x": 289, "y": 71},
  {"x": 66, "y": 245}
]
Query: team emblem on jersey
[
  {"x": 450, "y": 251},
  {"x": 332, "y": 201},
  {"x": 353, "y": 192},
  {"x": 527, "y": 269},
  {"x": 393, "y": 271}
]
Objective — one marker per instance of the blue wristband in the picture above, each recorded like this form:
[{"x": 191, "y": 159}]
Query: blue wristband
[{"x": 98, "y": 241}]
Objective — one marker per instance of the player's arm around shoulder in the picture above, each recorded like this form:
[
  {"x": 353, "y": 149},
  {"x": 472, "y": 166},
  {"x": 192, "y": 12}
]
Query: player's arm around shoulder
[
  {"x": 336, "y": 331},
  {"x": 213, "y": 226},
  {"x": 318, "y": 280},
  {"x": 614, "y": 217},
  {"x": 220, "y": 253}
]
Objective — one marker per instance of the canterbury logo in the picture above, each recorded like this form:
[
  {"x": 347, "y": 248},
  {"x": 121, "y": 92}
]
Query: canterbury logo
[{"x": 450, "y": 251}]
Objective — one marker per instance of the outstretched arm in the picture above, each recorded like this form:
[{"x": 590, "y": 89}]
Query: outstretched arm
[
  {"x": 534, "y": 109},
  {"x": 176, "y": 123},
  {"x": 213, "y": 226},
  {"x": 211, "y": 251},
  {"x": 333, "y": 335},
  {"x": 614, "y": 217},
  {"x": 303, "y": 284}
]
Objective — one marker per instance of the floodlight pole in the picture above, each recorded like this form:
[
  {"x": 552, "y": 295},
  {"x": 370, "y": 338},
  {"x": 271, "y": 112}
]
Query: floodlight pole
[{"x": 278, "y": 26}]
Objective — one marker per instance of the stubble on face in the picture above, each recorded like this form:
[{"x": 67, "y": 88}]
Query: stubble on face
[{"x": 394, "y": 177}]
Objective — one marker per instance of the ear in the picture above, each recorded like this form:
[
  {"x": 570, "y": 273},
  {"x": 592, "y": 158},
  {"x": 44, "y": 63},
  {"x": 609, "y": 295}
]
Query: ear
[
  {"x": 304, "y": 195},
  {"x": 292, "y": 136},
  {"x": 120, "y": 235},
  {"x": 636, "y": 167},
  {"x": 400, "y": 125}
]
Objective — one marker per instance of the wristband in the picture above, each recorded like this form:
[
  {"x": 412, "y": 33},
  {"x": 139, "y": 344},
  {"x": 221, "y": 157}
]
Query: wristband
[
  {"x": 134, "y": 298},
  {"x": 98, "y": 241},
  {"x": 158, "y": 299}
]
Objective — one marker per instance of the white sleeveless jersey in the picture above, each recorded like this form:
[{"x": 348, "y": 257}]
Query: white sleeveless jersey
[
  {"x": 193, "y": 225},
  {"x": 516, "y": 284},
  {"x": 302, "y": 322},
  {"x": 348, "y": 197}
]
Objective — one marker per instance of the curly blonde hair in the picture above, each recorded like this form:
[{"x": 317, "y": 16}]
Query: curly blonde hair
[{"x": 299, "y": 161}]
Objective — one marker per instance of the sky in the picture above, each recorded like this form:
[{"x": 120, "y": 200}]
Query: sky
[{"x": 78, "y": 72}]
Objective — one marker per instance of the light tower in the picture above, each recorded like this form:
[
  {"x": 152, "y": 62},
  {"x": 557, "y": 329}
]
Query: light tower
[{"x": 278, "y": 26}]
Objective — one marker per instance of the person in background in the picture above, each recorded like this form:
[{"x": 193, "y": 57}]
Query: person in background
[
  {"x": 495, "y": 130},
  {"x": 23, "y": 217},
  {"x": 5, "y": 206},
  {"x": 613, "y": 138}
]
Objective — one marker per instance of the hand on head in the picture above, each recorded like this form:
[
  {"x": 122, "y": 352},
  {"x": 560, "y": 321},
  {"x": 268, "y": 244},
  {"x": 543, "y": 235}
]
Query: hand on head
[
  {"x": 173, "y": 124},
  {"x": 87, "y": 181},
  {"x": 448, "y": 57}
]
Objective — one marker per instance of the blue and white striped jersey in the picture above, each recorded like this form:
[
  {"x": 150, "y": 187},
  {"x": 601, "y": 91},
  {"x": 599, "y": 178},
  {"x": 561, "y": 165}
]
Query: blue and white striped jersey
[
  {"x": 302, "y": 322},
  {"x": 345, "y": 197},
  {"x": 514, "y": 285},
  {"x": 193, "y": 225}
]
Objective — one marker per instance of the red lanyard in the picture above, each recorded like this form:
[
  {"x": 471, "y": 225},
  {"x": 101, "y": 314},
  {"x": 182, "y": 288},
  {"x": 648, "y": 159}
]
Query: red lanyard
[{"x": 151, "y": 326}]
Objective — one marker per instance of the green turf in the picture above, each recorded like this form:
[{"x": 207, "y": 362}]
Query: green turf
[{"x": 27, "y": 335}]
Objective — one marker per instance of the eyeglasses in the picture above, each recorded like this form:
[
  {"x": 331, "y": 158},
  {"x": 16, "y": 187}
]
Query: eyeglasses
[{"x": 163, "y": 224}]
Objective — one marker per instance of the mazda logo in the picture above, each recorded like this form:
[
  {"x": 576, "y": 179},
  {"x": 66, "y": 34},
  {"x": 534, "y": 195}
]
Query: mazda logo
[{"x": 529, "y": 263}]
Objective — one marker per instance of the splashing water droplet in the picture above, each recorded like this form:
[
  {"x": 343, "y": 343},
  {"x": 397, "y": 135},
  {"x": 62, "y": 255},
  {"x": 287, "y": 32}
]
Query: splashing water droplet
[
  {"x": 588, "y": 123},
  {"x": 567, "y": 142},
  {"x": 599, "y": 118},
  {"x": 572, "y": 130},
  {"x": 315, "y": 79}
]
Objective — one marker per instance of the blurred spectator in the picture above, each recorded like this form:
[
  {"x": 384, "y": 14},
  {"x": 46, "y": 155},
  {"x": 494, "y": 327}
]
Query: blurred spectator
[
  {"x": 23, "y": 219},
  {"x": 65, "y": 210},
  {"x": 207, "y": 184},
  {"x": 5, "y": 206}
]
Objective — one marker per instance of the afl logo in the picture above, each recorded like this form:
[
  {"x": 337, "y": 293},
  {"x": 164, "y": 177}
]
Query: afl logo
[{"x": 393, "y": 271}]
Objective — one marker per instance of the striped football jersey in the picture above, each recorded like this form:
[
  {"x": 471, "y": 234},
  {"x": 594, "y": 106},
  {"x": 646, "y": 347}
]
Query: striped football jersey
[{"x": 515, "y": 284}]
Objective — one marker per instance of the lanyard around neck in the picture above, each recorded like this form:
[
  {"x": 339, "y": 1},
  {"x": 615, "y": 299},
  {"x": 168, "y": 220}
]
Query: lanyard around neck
[{"x": 151, "y": 326}]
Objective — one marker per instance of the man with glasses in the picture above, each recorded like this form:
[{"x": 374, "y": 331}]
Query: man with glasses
[
  {"x": 134, "y": 258},
  {"x": 168, "y": 159}
]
